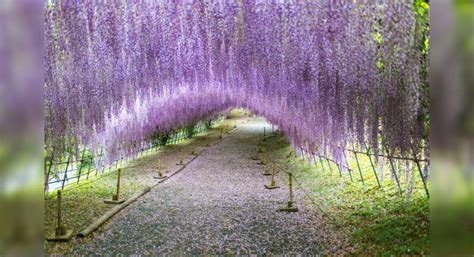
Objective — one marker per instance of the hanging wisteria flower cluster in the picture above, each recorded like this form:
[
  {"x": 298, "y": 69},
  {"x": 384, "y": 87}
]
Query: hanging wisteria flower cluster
[{"x": 327, "y": 72}]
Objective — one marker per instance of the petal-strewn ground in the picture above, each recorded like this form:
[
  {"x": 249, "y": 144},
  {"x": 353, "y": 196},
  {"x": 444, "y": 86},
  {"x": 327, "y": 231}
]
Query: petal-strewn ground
[{"x": 216, "y": 205}]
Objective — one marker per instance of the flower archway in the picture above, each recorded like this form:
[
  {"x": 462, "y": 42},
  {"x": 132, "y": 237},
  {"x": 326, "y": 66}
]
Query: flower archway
[{"x": 327, "y": 72}]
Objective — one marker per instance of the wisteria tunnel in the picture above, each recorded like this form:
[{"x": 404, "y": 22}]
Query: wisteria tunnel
[{"x": 236, "y": 127}]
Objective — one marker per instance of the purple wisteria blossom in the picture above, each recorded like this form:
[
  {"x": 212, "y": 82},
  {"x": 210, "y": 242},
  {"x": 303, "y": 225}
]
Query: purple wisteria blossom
[{"x": 327, "y": 72}]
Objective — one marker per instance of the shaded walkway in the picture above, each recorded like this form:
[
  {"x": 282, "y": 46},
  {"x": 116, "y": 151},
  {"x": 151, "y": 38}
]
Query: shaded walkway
[{"x": 216, "y": 205}]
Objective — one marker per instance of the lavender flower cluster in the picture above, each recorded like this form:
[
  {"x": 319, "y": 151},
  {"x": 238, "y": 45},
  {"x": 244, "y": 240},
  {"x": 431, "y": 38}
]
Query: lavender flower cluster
[{"x": 327, "y": 72}]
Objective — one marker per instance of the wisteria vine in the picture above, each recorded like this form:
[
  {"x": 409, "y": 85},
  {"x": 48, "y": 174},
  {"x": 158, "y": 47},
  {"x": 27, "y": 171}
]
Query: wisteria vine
[{"x": 327, "y": 72}]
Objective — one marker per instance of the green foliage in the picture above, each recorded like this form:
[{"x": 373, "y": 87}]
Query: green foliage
[
  {"x": 208, "y": 124},
  {"x": 190, "y": 129},
  {"x": 164, "y": 138}
]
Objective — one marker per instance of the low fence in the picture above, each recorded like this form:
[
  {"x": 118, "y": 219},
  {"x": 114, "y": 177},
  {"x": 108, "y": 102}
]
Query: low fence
[
  {"x": 420, "y": 164},
  {"x": 62, "y": 173}
]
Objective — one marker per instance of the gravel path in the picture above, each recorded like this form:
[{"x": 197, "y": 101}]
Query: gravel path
[{"x": 216, "y": 205}]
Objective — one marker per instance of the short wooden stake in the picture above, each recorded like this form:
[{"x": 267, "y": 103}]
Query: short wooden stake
[
  {"x": 61, "y": 233},
  {"x": 272, "y": 183},
  {"x": 290, "y": 206},
  {"x": 160, "y": 175},
  {"x": 115, "y": 197},
  {"x": 267, "y": 172}
]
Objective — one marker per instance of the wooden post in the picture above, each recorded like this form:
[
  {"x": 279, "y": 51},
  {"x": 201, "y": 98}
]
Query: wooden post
[
  {"x": 118, "y": 185},
  {"x": 272, "y": 183},
  {"x": 329, "y": 164},
  {"x": 290, "y": 206},
  {"x": 321, "y": 161},
  {"x": 357, "y": 161},
  {"x": 80, "y": 166},
  {"x": 339, "y": 169},
  {"x": 61, "y": 233},
  {"x": 420, "y": 172},
  {"x": 59, "y": 229},
  {"x": 394, "y": 172},
  {"x": 373, "y": 168},
  {"x": 358, "y": 165},
  {"x": 160, "y": 175},
  {"x": 291, "y": 190},
  {"x": 65, "y": 171},
  {"x": 89, "y": 169},
  {"x": 115, "y": 197}
]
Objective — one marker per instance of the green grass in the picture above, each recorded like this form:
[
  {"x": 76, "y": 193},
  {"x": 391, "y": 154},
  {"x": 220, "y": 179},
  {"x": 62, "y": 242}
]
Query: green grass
[{"x": 371, "y": 220}]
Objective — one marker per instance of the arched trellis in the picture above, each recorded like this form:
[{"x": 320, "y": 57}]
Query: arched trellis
[{"x": 328, "y": 73}]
